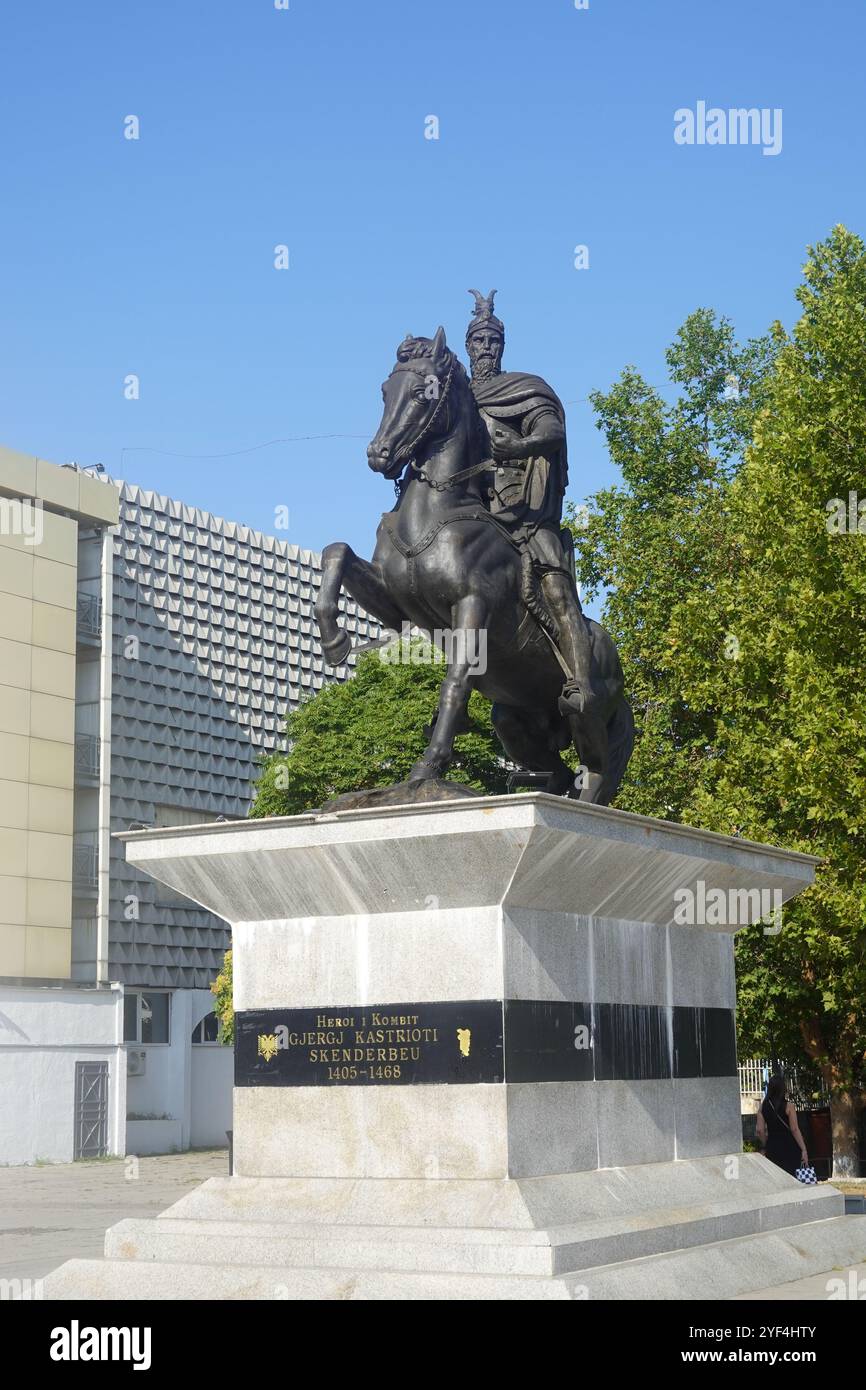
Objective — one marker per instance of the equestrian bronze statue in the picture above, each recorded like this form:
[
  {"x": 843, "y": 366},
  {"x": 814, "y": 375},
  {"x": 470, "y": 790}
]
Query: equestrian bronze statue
[{"x": 475, "y": 545}]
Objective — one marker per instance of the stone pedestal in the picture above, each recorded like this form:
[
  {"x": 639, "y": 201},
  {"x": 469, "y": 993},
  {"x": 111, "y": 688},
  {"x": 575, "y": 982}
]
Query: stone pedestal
[{"x": 482, "y": 1052}]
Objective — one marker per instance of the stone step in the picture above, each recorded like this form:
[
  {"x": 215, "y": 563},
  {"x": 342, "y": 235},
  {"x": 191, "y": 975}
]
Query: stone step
[
  {"x": 714, "y": 1271},
  {"x": 547, "y": 1252},
  {"x": 733, "y": 1267},
  {"x": 169, "y": 1280},
  {"x": 538, "y": 1203}
]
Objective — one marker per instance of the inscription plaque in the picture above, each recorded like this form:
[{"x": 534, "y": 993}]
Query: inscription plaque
[
  {"x": 486, "y": 1040},
  {"x": 387, "y": 1044}
]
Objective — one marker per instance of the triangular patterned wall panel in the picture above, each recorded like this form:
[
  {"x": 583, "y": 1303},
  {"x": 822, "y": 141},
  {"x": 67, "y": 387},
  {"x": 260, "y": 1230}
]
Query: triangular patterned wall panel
[{"x": 226, "y": 640}]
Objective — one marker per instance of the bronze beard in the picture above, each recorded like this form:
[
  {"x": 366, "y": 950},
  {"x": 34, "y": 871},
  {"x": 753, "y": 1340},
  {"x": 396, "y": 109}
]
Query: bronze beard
[{"x": 483, "y": 368}]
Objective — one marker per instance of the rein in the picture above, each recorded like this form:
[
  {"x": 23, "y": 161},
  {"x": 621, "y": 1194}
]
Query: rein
[
  {"x": 418, "y": 469},
  {"x": 443, "y": 395},
  {"x": 455, "y": 478}
]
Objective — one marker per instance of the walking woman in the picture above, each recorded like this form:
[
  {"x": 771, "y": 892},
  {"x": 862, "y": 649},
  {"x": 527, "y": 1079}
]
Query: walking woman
[{"x": 778, "y": 1132}]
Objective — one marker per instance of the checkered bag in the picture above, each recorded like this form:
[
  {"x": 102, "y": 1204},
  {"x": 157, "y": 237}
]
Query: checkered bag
[{"x": 805, "y": 1173}]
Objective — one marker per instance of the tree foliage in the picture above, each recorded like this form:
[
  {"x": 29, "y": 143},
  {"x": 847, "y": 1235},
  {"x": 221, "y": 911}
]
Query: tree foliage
[
  {"x": 786, "y": 761},
  {"x": 652, "y": 540},
  {"x": 223, "y": 1005},
  {"x": 369, "y": 731},
  {"x": 739, "y": 614}
]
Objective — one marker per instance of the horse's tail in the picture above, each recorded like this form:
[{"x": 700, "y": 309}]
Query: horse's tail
[{"x": 620, "y": 742}]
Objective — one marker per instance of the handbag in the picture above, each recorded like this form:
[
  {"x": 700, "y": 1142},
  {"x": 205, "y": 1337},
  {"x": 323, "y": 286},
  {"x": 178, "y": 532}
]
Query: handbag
[{"x": 805, "y": 1173}]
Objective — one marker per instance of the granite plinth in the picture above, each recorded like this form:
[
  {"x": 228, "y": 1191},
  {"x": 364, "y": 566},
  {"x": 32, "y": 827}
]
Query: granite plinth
[{"x": 479, "y": 1054}]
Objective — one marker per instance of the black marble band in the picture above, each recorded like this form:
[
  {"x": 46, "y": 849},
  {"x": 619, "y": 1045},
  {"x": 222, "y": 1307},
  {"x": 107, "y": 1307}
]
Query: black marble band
[{"x": 487, "y": 1040}]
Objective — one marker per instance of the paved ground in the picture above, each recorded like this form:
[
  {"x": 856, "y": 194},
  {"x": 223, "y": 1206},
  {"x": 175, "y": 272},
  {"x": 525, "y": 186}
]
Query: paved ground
[{"x": 59, "y": 1211}]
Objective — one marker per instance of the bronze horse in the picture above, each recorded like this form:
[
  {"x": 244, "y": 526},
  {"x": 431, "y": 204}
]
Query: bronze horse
[{"x": 442, "y": 562}]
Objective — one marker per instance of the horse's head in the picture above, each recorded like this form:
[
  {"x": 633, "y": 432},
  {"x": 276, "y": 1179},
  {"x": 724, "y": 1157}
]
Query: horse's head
[{"x": 418, "y": 410}]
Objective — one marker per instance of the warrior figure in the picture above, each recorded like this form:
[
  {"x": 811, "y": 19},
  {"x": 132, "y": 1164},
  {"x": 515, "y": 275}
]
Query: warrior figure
[{"x": 525, "y": 423}]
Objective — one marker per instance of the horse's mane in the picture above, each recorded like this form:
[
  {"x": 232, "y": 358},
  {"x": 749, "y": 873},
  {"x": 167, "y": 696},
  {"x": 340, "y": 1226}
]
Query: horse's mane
[
  {"x": 414, "y": 347},
  {"x": 411, "y": 349}
]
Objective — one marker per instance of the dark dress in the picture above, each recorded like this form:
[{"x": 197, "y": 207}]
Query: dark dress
[{"x": 782, "y": 1148}]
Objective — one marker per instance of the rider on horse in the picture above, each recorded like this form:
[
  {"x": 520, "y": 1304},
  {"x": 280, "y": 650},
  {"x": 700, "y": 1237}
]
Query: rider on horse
[{"x": 525, "y": 423}]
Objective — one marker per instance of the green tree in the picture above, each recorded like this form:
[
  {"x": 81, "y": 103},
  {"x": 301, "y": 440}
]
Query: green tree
[
  {"x": 651, "y": 540},
  {"x": 223, "y": 1003},
  {"x": 785, "y": 757},
  {"x": 368, "y": 731},
  {"x": 738, "y": 611}
]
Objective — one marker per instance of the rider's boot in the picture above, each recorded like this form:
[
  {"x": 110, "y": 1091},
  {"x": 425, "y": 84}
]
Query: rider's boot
[{"x": 581, "y": 694}]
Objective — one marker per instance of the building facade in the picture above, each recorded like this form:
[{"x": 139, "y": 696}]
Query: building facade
[
  {"x": 149, "y": 653},
  {"x": 62, "y": 1060},
  {"x": 213, "y": 640}
]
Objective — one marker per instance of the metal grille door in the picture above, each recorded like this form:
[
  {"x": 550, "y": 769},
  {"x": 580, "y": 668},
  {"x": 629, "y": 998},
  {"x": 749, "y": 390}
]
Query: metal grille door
[{"x": 91, "y": 1109}]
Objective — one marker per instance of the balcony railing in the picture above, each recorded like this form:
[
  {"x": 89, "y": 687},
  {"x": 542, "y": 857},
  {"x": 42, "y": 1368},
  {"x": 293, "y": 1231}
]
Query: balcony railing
[
  {"x": 89, "y": 615},
  {"x": 87, "y": 755},
  {"x": 85, "y": 863}
]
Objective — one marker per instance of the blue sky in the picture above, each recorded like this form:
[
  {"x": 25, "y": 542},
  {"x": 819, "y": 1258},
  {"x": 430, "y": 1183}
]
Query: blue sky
[{"x": 305, "y": 127}]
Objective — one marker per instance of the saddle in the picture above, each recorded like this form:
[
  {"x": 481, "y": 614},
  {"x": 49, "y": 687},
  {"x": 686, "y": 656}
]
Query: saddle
[
  {"x": 530, "y": 586},
  {"x": 410, "y": 552}
]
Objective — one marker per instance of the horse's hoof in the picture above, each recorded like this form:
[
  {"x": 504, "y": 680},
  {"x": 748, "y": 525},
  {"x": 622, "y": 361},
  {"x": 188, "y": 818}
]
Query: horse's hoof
[
  {"x": 336, "y": 652},
  {"x": 423, "y": 771}
]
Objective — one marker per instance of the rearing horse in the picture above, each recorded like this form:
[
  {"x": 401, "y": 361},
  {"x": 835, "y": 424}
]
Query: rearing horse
[{"x": 442, "y": 561}]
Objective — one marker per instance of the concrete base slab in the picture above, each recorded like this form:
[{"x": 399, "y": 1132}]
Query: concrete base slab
[
  {"x": 719, "y": 1271},
  {"x": 708, "y": 1228}
]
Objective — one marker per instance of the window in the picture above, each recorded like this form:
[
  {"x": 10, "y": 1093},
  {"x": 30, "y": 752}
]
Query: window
[
  {"x": 130, "y": 1017},
  {"x": 146, "y": 1017},
  {"x": 208, "y": 1031}
]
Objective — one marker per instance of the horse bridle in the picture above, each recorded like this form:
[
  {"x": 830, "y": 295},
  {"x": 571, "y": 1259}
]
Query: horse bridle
[
  {"x": 440, "y": 400},
  {"x": 417, "y": 468}
]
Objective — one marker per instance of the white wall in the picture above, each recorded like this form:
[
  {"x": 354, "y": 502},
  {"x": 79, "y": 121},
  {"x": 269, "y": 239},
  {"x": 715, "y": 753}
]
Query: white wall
[
  {"x": 211, "y": 1095},
  {"x": 159, "y": 1092},
  {"x": 192, "y": 1085},
  {"x": 43, "y": 1033}
]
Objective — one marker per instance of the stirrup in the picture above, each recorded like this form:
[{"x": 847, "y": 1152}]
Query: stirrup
[{"x": 573, "y": 698}]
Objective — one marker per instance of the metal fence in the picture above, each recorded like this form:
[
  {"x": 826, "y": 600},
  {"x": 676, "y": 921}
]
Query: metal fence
[{"x": 805, "y": 1086}]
